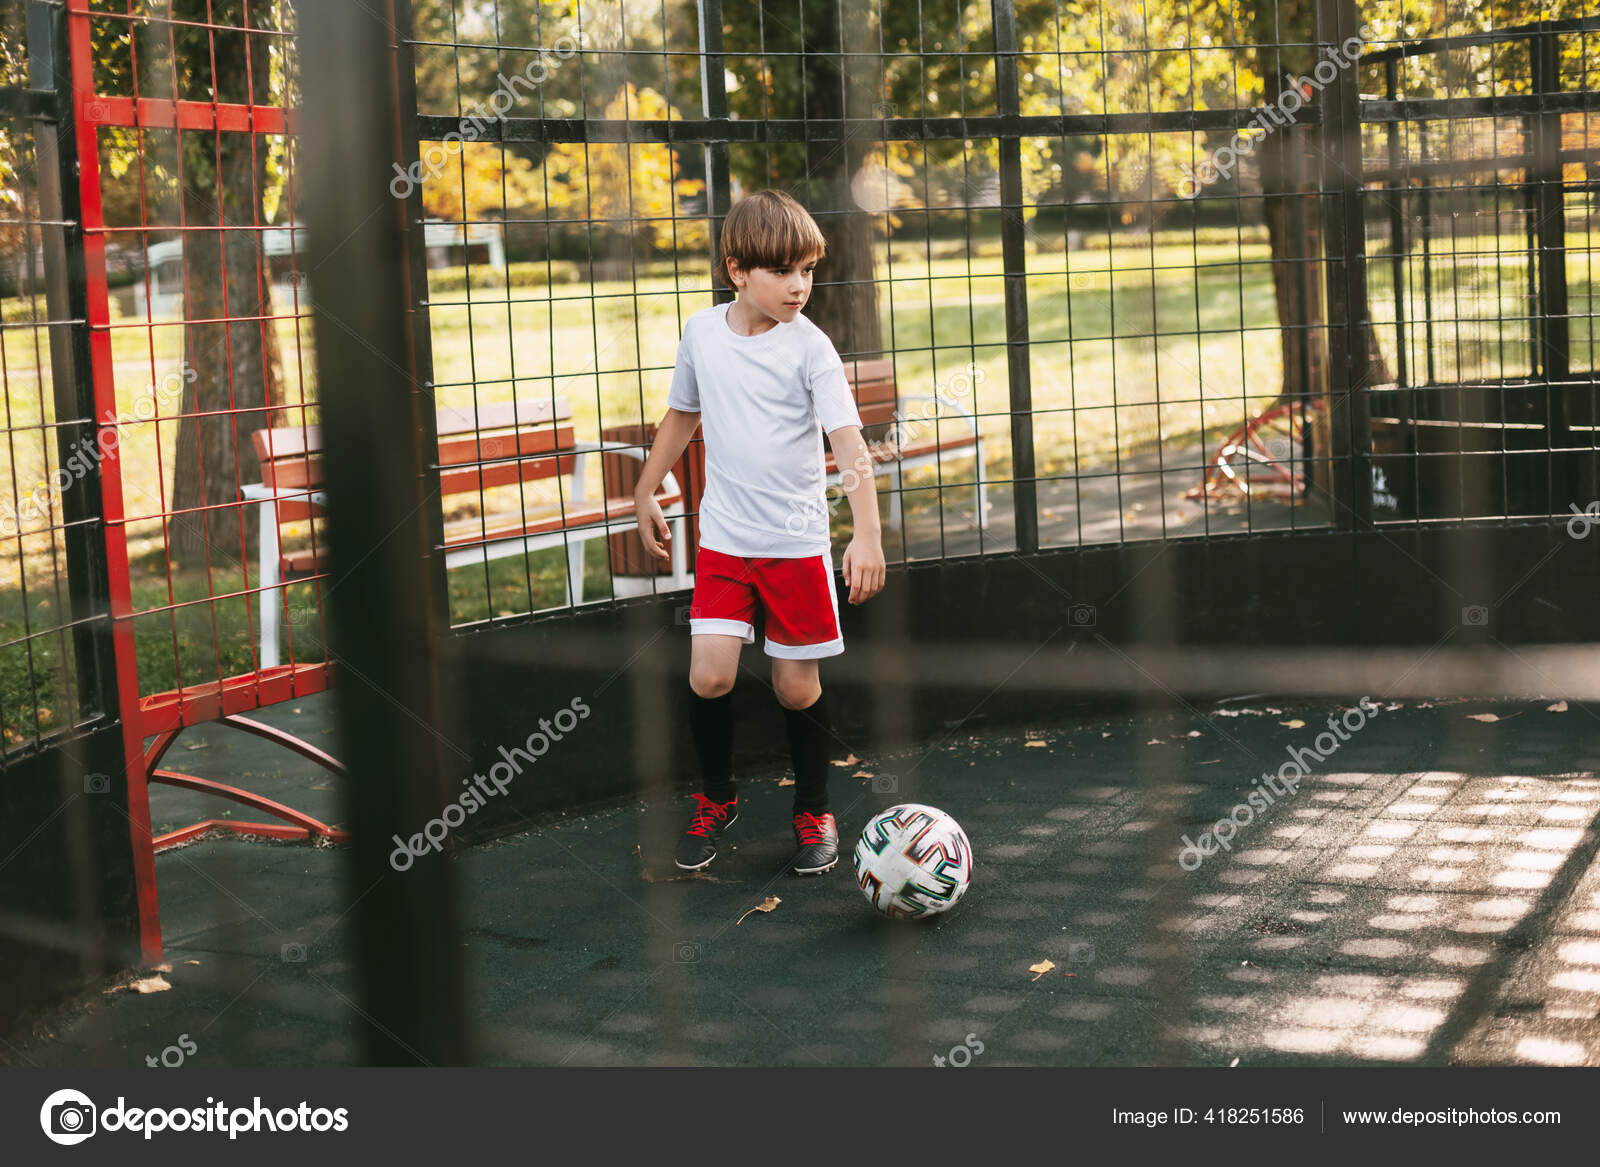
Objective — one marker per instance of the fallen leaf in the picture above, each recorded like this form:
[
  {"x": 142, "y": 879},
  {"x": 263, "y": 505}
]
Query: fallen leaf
[
  {"x": 1483, "y": 717},
  {"x": 1036, "y": 745},
  {"x": 163, "y": 967},
  {"x": 1233, "y": 1063},
  {"x": 1041, "y": 968},
  {"x": 765, "y": 905},
  {"x": 155, "y": 984},
  {"x": 1212, "y": 762},
  {"x": 1558, "y": 707},
  {"x": 194, "y": 745},
  {"x": 1273, "y": 711},
  {"x": 1105, "y": 735},
  {"x": 850, "y": 761},
  {"x": 191, "y": 962},
  {"x": 636, "y": 850},
  {"x": 785, "y": 781},
  {"x": 862, "y": 774},
  {"x": 1293, "y": 723},
  {"x": 1155, "y": 741},
  {"x": 1194, "y": 733}
]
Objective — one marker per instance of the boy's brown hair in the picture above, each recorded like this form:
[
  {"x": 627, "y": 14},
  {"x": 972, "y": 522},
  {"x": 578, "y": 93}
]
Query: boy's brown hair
[{"x": 768, "y": 229}]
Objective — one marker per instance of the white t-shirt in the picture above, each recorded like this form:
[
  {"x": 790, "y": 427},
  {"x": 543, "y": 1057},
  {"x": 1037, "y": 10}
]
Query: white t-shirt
[{"x": 764, "y": 402}]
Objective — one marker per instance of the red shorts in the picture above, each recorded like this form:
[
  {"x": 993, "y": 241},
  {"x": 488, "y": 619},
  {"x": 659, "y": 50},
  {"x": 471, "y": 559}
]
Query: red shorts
[{"x": 802, "y": 610}]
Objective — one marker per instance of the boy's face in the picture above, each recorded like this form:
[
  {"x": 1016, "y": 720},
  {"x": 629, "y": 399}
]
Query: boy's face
[{"x": 777, "y": 292}]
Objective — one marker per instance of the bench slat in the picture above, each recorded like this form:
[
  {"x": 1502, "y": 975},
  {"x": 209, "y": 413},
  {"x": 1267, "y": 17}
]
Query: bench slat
[
  {"x": 471, "y": 532},
  {"x": 883, "y": 453}
]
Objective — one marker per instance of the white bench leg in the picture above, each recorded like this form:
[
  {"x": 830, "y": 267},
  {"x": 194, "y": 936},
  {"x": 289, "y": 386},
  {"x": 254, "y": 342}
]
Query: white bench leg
[
  {"x": 895, "y": 499},
  {"x": 575, "y": 568},
  {"x": 680, "y": 553},
  {"x": 983, "y": 490},
  {"x": 271, "y": 597},
  {"x": 575, "y": 546}
]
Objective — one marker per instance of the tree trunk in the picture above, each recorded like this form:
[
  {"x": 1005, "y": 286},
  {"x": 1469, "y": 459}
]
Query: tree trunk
[
  {"x": 235, "y": 365},
  {"x": 844, "y": 299},
  {"x": 1289, "y": 160},
  {"x": 1294, "y": 231}
]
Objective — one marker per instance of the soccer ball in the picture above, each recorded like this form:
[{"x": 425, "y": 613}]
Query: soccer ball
[{"x": 913, "y": 860}]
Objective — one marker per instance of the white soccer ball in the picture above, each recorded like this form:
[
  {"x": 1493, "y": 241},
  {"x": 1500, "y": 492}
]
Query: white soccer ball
[{"x": 913, "y": 860}]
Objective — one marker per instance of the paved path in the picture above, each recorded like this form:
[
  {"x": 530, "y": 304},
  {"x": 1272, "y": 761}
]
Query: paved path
[{"x": 1143, "y": 498}]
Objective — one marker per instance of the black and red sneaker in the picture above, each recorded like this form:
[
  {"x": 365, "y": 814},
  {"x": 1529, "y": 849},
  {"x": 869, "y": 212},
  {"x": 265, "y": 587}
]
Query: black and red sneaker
[
  {"x": 698, "y": 847},
  {"x": 818, "y": 836}
]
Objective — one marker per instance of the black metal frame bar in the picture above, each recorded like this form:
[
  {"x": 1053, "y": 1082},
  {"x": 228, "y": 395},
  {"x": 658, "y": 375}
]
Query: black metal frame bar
[{"x": 67, "y": 300}]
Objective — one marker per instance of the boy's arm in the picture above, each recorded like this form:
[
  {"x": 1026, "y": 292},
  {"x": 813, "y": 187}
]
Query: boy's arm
[
  {"x": 672, "y": 435},
  {"x": 864, "y": 569}
]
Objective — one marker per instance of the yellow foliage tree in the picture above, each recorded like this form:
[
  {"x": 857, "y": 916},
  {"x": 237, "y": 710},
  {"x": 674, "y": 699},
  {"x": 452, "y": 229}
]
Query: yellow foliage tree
[
  {"x": 634, "y": 183},
  {"x": 464, "y": 181}
]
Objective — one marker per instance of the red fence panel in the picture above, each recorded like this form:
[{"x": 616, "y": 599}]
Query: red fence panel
[{"x": 185, "y": 128}]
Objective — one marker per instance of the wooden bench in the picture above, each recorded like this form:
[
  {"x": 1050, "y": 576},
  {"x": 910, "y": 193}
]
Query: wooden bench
[
  {"x": 898, "y": 442},
  {"x": 492, "y": 446}
]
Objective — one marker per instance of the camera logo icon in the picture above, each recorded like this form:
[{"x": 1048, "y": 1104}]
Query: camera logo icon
[
  {"x": 1475, "y": 615},
  {"x": 96, "y": 111},
  {"x": 683, "y": 614},
  {"x": 97, "y": 783},
  {"x": 1080, "y": 952},
  {"x": 293, "y": 953},
  {"x": 68, "y": 1117},
  {"x": 885, "y": 784},
  {"x": 1082, "y": 616},
  {"x": 686, "y": 951}
]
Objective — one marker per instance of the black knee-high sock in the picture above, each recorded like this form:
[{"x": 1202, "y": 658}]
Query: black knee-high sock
[
  {"x": 810, "y": 739},
  {"x": 711, "y": 725}
]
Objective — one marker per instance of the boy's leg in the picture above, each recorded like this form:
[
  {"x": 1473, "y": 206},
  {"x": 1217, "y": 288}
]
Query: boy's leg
[
  {"x": 714, "y": 662},
  {"x": 803, "y": 627},
  {"x": 720, "y": 616},
  {"x": 713, "y": 668},
  {"x": 805, "y": 713}
]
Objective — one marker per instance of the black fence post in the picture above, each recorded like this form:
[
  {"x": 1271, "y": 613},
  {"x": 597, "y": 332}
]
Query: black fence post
[
  {"x": 1550, "y": 221},
  {"x": 383, "y": 643},
  {"x": 714, "y": 107},
  {"x": 67, "y": 308},
  {"x": 1398, "y": 250},
  {"x": 1013, "y": 241},
  {"x": 1350, "y": 425},
  {"x": 410, "y": 161}
]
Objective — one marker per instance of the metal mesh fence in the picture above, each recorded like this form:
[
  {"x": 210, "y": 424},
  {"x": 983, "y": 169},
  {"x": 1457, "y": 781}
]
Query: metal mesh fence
[{"x": 49, "y": 443}]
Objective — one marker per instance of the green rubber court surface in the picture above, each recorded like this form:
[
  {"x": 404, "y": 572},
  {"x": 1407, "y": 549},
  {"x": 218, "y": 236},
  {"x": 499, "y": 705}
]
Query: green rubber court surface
[{"x": 1430, "y": 895}]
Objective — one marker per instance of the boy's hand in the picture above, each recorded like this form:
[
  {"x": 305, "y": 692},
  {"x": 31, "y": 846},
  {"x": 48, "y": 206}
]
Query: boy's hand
[
  {"x": 653, "y": 530},
  {"x": 864, "y": 570}
]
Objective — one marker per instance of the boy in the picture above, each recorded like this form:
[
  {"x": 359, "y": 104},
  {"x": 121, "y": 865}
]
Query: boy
[{"x": 766, "y": 382}]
